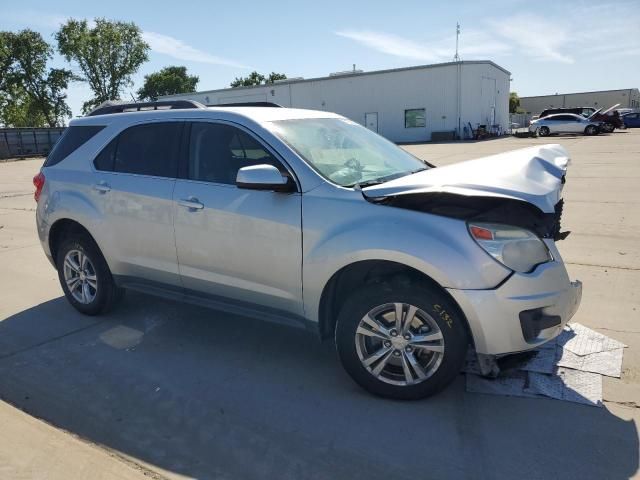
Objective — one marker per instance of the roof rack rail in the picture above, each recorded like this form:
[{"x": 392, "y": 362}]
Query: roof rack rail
[
  {"x": 246, "y": 104},
  {"x": 108, "y": 107}
]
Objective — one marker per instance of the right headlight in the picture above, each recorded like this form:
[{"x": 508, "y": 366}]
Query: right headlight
[{"x": 514, "y": 247}]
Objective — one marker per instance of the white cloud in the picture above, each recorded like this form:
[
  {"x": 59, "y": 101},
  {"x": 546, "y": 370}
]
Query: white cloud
[
  {"x": 34, "y": 19},
  {"x": 474, "y": 44},
  {"x": 597, "y": 32},
  {"x": 391, "y": 44},
  {"x": 182, "y": 51},
  {"x": 479, "y": 44},
  {"x": 535, "y": 36}
]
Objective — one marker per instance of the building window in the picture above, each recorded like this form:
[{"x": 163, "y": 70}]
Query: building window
[{"x": 415, "y": 118}]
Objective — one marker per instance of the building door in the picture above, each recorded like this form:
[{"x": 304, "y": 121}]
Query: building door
[
  {"x": 371, "y": 121},
  {"x": 488, "y": 101}
]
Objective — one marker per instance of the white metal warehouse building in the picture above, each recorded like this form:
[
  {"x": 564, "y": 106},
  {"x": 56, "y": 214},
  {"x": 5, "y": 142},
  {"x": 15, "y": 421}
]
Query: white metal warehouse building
[
  {"x": 403, "y": 104},
  {"x": 627, "y": 98}
]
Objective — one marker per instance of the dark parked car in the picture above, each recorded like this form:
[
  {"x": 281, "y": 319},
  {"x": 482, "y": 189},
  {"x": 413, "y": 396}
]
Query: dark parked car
[
  {"x": 631, "y": 120},
  {"x": 584, "y": 111}
]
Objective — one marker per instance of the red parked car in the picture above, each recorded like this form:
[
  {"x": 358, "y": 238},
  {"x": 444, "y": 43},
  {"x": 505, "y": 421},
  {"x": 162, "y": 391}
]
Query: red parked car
[{"x": 610, "y": 119}]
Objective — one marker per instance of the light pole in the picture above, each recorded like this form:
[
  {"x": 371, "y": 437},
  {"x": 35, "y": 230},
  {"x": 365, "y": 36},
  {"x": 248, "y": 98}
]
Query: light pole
[{"x": 458, "y": 62}]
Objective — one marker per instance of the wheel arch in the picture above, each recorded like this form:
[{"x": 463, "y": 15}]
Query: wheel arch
[
  {"x": 351, "y": 276},
  {"x": 62, "y": 227}
]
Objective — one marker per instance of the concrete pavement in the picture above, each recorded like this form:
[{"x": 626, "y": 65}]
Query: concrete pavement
[
  {"x": 181, "y": 391},
  {"x": 31, "y": 449}
]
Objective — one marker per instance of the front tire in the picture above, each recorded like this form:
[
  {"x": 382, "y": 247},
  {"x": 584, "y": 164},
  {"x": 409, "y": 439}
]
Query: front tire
[
  {"x": 544, "y": 132},
  {"x": 404, "y": 341},
  {"x": 591, "y": 130},
  {"x": 85, "y": 277},
  {"x": 608, "y": 127}
]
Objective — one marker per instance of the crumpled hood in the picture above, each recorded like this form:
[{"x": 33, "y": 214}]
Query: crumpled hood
[{"x": 534, "y": 175}]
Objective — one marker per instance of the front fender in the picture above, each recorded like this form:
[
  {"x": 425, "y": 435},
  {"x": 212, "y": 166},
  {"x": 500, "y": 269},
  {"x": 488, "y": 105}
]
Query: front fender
[{"x": 338, "y": 233}]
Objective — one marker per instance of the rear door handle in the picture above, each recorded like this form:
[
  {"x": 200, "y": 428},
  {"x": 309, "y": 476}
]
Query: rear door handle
[
  {"x": 191, "y": 203},
  {"x": 102, "y": 187}
]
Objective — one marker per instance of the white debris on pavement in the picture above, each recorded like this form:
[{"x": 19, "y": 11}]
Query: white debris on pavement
[
  {"x": 544, "y": 361},
  {"x": 568, "y": 368},
  {"x": 567, "y": 384},
  {"x": 513, "y": 385},
  {"x": 607, "y": 363},
  {"x": 583, "y": 341}
]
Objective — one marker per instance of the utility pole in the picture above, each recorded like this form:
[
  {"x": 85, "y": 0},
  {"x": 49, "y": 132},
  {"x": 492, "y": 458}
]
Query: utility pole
[{"x": 456, "y": 57}]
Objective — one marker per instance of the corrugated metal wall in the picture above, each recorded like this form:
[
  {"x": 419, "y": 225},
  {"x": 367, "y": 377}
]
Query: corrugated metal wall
[
  {"x": 483, "y": 91},
  {"x": 628, "y": 98},
  {"x": 26, "y": 142}
]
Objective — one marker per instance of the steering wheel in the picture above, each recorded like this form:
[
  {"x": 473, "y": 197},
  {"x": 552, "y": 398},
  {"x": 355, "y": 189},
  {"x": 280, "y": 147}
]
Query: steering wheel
[
  {"x": 351, "y": 172},
  {"x": 353, "y": 164}
]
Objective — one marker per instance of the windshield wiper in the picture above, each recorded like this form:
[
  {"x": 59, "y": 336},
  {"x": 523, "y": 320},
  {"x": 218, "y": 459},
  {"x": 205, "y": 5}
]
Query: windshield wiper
[
  {"x": 378, "y": 181},
  {"x": 367, "y": 183}
]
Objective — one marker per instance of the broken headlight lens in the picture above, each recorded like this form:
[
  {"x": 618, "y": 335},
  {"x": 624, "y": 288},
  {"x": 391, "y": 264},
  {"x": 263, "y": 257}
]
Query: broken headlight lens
[{"x": 516, "y": 248}]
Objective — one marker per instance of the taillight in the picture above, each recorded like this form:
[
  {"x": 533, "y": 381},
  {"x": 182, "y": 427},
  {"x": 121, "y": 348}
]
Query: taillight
[
  {"x": 480, "y": 233},
  {"x": 38, "y": 182}
]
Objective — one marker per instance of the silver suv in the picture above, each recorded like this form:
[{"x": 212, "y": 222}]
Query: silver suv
[{"x": 308, "y": 218}]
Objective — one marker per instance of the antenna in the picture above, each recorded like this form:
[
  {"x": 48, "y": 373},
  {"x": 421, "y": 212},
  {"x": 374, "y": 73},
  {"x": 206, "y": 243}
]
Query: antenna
[{"x": 456, "y": 57}]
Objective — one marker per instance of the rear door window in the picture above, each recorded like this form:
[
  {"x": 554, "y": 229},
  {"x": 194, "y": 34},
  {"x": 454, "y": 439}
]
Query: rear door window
[
  {"x": 72, "y": 139},
  {"x": 150, "y": 149}
]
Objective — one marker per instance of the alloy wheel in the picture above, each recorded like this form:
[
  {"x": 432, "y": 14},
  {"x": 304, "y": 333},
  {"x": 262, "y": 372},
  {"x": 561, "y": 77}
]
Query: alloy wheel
[
  {"x": 80, "y": 276},
  {"x": 399, "y": 343}
]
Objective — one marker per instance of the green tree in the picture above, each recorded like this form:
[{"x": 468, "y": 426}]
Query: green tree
[
  {"x": 273, "y": 76},
  {"x": 256, "y": 78},
  {"x": 31, "y": 94},
  {"x": 17, "y": 109},
  {"x": 107, "y": 54},
  {"x": 168, "y": 81},
  {"x": 514, "y": 103}
]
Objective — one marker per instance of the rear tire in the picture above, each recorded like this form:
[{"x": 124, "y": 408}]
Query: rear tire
[
  {"x": 591, "y": 130},
  {"x": 544, "y": 132},
  {"x": 415, "y": 359},
  {"x": 85, "y": 277}
]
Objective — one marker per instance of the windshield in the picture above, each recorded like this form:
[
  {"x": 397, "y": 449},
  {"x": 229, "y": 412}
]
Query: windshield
[{"x": 344, "y": 152}]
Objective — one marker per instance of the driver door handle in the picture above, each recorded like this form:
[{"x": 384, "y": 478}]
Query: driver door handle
[
  {"x": 102, "y": 187},
  {"x": 191, "y": 203}
]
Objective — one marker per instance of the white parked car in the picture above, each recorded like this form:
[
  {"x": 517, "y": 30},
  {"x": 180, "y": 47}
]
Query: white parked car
[{"x": 564, "y": 123}]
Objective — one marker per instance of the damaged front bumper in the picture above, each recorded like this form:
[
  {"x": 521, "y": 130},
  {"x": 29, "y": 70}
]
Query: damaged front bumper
[{"x": 525, "y": 311}]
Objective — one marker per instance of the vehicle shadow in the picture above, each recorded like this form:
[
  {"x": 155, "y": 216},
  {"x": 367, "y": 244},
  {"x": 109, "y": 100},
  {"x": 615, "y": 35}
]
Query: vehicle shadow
[{"x": 210, "y": 395}]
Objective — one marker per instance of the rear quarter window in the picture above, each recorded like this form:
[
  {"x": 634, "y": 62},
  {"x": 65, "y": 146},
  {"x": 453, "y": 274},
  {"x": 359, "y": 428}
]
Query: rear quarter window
[{"x": 72, "y": 139}]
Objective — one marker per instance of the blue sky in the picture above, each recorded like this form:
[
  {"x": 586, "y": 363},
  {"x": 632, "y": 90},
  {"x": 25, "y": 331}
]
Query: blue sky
[{"x": 549, "y": 46}]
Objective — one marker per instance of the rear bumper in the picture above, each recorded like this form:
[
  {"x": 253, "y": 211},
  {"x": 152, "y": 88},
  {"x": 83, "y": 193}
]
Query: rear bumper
[{"x": 525, "y": 311}]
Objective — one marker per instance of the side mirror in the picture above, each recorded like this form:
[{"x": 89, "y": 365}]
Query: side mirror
[{"x": 264, "y": 177}]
